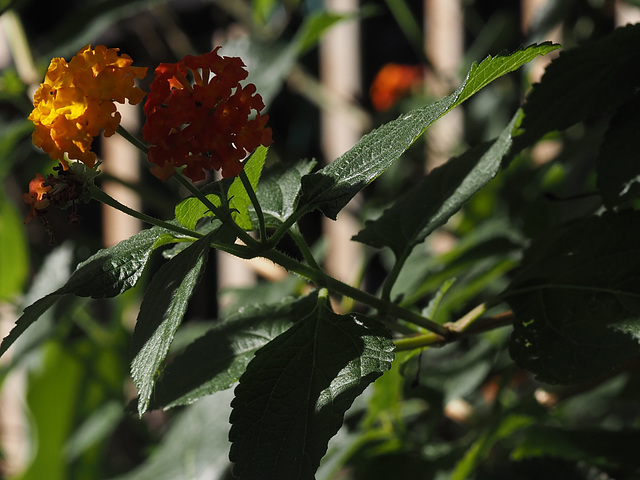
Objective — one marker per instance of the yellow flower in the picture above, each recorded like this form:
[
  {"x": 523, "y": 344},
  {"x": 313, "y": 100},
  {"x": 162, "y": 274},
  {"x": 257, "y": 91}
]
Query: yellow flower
[{"x": 76, "y": 102}]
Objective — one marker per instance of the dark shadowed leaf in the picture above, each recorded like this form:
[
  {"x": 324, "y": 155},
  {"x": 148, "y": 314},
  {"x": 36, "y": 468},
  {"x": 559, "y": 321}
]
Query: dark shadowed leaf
[
  {"x": 108, "y": 273},
  {"x": 216, "y": 360},
  {"x": 582, "y": 82},
  {"x": 549, "y": 468},
  {"x": 161, "y": 312},
  {"x": 618, "y": 162},
  {"x": 577, "y": 300},
  {"x": 436, "y": 197},
  {"x": 195, "y": 445},
  {"x": 278, "y": 191},
  {"x": 293, "y": 396},
  {"x": 598, "y": 446}
]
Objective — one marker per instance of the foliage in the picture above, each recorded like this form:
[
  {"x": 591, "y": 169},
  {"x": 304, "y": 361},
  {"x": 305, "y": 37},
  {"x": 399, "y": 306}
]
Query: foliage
[{"x": 535, "y": 308}]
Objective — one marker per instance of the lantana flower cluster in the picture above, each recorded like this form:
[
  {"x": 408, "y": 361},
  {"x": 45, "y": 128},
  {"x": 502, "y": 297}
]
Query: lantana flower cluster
[
  {"x": 198, "y": 114},
  {"x": 206, "y": 124},
  {"x": 76, "y": 102}
]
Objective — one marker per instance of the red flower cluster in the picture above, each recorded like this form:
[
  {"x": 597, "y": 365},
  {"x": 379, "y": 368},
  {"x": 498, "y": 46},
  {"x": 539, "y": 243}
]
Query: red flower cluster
[
  {"x": 393, "y": 82},
  {"x": 206, "y": 124}
]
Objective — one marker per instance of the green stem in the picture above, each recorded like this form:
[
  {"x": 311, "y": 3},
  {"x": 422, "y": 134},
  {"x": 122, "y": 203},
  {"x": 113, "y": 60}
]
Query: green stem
[
  {"x": 304, "y": 248},
  {"x": 237, "y": 250},
  {"x": 101, "y": 196},
  {"x": 322, "y": 279},
  {"x": 132, "y": 140},
  {"x": 244, "y": 236},
  {"x": 286, "y": 225},
  {"x": 222, "y": 216},
  {"x": 256, "y": 205},
  {"x": 481, "y": 325},
  {"x": 393, "y": 276}
]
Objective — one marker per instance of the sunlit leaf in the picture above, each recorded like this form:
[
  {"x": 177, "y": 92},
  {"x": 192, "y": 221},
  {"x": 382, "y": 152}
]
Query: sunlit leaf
[
  {"x": 292, "y": 398},
  {"x": 191, "y": 210},
  {"x": 332, "y": 187}
]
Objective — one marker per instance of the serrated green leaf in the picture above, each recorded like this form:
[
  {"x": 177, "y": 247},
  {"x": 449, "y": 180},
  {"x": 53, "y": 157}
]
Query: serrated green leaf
[
  {"x": 583, "y": 82},
  {"x": 492, "y": 68},
  {"x": 278, "y": 191},
  {"x": 191, "y": 209},
  {"x": 436, "y": 197},
  {"x": 577, "y": 301},
  {"x": 216, "y": 360},
  {"x": 293, "y": 396},
  {"x": 332, "y": 187},
  {"x": 110, "y": 272},
  {"x": 617, "y": 164},
  {"x": 163, "y": 307}
]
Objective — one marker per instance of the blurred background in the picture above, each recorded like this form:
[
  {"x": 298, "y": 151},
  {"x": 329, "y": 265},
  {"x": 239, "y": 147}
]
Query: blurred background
[{"x": 329, "y": 71}]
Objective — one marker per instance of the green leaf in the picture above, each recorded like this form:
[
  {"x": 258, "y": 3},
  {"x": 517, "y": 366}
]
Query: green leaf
[
  {"x": 332, "y": 187},
  {"x": 278, "y": 191},
  {"x": 293, "y": 396},
  {"x": 13, "y": 254},
  {"x": 549, "y": 468},
  {"x": 596, "y": 446},
  {"x": 163, "y": 307},
  {"x": 576, "y": 300},
  {"x": 583, "y": 82},
  {"x": 196, "y": 444},
  {"x": 617, "y": 164},
  {"x": 108, "y": 273},
  {"x": 114, "y": 270},
  {"x": 314, "y": 27},
  {"x": 436, "y": 197},
  {"x": 32, "y": 313},
  {"x": 238, "y": 197},
  {"x": 216, "y": 360},
  {"x": 191, "y": 209}
]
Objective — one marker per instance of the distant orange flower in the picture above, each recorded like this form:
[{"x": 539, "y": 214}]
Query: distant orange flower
[
  {"x": 76, "y": 102},
  {"x": 393, "y": 82},
  {"x": 36, "y": 196},
  {"x": 206, "y": 124}
]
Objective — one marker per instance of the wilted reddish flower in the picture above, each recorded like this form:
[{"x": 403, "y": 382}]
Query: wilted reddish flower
[
  {"x": 62, "y": 190},
  {"x": 206, "y": 124},
  {"x": 36, "y": 196},
  {"x": 393, "y": 82}
]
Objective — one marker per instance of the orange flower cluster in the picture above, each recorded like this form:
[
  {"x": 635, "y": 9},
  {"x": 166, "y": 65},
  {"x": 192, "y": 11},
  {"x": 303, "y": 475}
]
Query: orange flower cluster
[
  {"x": 76, "y": 102},
  {"x": 211, "y": 122},
  {"x": 393, "y": 82}
]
